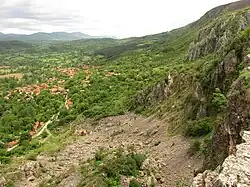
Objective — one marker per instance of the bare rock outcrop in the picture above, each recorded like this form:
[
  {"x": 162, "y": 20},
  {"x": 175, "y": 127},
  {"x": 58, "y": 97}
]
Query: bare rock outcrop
[
  {"x": 228, "y": 134},
  {"x": 217, "y": 36},
  {"x": 225, "y": 71},
  {"x": 154, "y": 94},
  {"x": 235, "y": 170}
]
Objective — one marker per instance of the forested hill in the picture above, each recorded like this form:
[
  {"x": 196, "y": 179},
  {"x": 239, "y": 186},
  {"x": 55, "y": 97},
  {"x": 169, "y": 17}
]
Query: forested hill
[
  {"x": 40, "y": 36},
  {"x": 14, "y": 45}
]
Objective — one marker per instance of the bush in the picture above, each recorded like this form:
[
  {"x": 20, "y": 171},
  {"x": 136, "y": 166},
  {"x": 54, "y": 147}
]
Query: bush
[
  {"x": 195, "y": 147},
  {"x": 124, "y": 165},
  {"x": 200, "y": 127},
  {"x": 111, "y": 168},
  {"x": 99, "y": 155},
  {"x": 128, "y": 165},
  {"x": 4, "y": 160},
  {"x": 134, "y": 183},
  {"x": 219, "y": 101},
  {"x": 32, "y": 156},
  {"x": 207, "y": 143},
  {"x": 139, "y": 159},
  {"x": 10, "y": 185}
]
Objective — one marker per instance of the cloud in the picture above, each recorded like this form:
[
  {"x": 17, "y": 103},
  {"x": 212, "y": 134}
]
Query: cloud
[
  {"x": 25, "y": 16},
  {"x": 97, "y": 17}
]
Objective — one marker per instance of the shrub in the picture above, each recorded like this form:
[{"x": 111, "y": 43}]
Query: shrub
[
  {"x": 200, "y": 127},
  {"x": 124, "y": 165},
  {"x": 195, "y": 147},
  {"x": 219, "y": 101},
  {"x": 4, "y": 160},
  {"x": 134, "y": 183},
  {"x": 192, "y": 106},
  {"x": 10, "y": 185},
  {"x": 207, "y": 141},
  {"x": 99, "y": 155},
  {"x": 128, "y": 165},
  {"x": 139, "y": 159},
  {"x": 32, "y": 156},
  {"x": 181, "y": 184},
  {"x": 112, "y": 167}
]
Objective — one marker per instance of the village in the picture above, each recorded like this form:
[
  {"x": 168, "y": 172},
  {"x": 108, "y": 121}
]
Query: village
[{"x": 55, "y": 86}]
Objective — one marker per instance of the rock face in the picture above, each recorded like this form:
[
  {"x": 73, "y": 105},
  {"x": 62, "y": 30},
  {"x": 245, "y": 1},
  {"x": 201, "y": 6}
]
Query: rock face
[
  {"x": 222, "y": 77},
  {"x": 227, "y": 135},
  {"x": 237, "y": 119},
  {"x": 235, "y": 170},
  {"x": 227, "y": 151},
  {"x": 154, "y": 94},
  {"x": 225, "y": 72},
  {"x": 217, "y": 36}
]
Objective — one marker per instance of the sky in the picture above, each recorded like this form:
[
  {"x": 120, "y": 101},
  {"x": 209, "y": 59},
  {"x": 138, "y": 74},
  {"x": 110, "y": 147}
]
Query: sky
[{"x": 120, "y": 18}]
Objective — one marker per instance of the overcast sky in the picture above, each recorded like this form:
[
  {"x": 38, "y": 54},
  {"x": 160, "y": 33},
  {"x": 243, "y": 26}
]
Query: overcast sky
[{"x": 120, "y": 18}]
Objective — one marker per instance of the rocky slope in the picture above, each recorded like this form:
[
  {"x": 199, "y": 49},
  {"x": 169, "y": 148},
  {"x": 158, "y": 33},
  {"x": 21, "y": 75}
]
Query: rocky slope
[
  {"x": 224, "y": 35},
  {"x": 146, "y": 135},
  {"x": 234, "y": 171},
  {"x": 218, "y": 36},
  {"x": 228, "y": 39}
]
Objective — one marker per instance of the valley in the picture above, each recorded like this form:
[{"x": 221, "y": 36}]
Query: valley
[{"x": 156, "y": 110}]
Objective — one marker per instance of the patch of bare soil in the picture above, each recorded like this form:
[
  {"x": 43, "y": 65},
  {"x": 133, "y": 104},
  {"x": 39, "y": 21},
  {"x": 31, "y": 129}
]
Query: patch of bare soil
[
  {"x": 13, "y": 75},
  {"x": 4, "y": 67},
  {"x": 146, "y": 134}
]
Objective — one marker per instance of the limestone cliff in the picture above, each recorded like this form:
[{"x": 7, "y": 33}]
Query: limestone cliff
[
  {"x": 227, "y": 135},
  {"x": 235, "y": 170},
  {"x": 228, "y": 39},
  {"x": 217, "y": 36},
  {"x": 155, "y": 93}
]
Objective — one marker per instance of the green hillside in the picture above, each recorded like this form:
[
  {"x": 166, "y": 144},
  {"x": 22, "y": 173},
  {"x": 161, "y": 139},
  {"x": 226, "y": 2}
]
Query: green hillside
[
  {"x": 14, "y": 45},
  {"x": 195, "y": 79}
]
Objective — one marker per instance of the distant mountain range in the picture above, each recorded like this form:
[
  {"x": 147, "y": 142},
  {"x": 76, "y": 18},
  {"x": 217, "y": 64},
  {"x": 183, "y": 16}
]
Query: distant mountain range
[{"x": 54, "y": 36}]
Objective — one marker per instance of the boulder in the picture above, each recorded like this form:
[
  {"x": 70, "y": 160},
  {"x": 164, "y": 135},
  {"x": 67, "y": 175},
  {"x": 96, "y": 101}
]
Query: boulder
[{"x": 235, "y": 170}]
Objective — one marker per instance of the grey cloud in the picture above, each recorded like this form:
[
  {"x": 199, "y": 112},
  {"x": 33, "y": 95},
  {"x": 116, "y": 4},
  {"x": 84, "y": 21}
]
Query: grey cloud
[
  {"x": 29, "y": 12},
  {"x": 19, "y": 13},
  {"x": 25, "y": 16},
  {"x": 24, "y": 25}
]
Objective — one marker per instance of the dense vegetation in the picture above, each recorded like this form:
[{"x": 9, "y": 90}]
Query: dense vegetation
[{"x": 13, "y": 45}]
